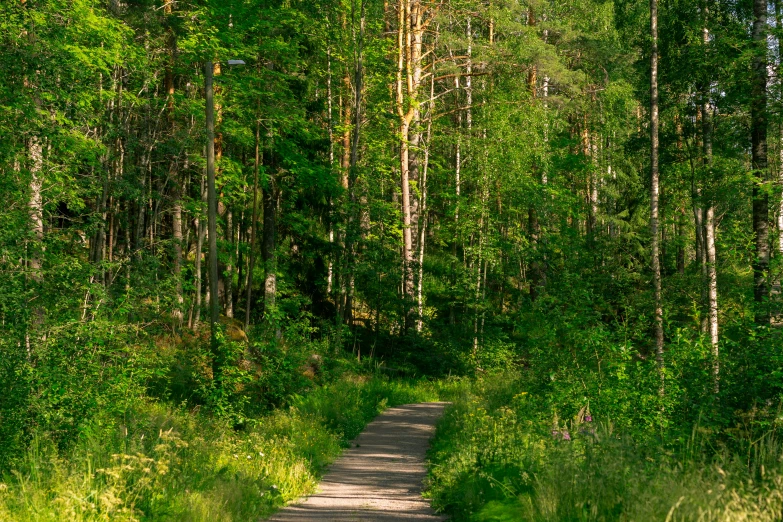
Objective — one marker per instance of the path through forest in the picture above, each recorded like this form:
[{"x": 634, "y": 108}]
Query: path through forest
[{"x": 379, "y": 478}]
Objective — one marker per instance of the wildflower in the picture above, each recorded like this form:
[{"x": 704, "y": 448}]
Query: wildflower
[
  {"x": 274, "y": 486},
  {"x": 588, "y": 418},
  {"x": 249, "y": 457},
  {"x": 566, "y": 435},
  {"x": 555, "y": 433},
  {"x": 261, "y": 453},
  {"x": 236, "y": 456}
]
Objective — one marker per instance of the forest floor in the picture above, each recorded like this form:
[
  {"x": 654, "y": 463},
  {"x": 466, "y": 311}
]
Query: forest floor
[{"x": 380, "y": 477}]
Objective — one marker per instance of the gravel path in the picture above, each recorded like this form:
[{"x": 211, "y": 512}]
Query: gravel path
[{"x": 379, "y": 478}]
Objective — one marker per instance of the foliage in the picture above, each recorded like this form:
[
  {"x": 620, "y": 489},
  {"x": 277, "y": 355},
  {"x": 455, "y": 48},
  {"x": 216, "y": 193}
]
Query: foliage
[
  {"x": 173, "y": 464},
  {"x": 504, "y": 453}
]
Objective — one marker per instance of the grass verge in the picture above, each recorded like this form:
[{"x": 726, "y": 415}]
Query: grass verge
[
  {"x": 168, "y": 464},
  {"x": 499, "y": 455}
]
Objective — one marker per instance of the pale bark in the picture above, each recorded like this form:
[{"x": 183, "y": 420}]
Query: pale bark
[
  {"x": 268, "y": 247},
  {"x": 711, "y": 255},
  {"x": 229, "y": 275},
  {"x": 413, "y": 19},
  {"x": 254, "y": 223},
  {"x": 200, "y": 236},
  {"x": 423, "y": 226},
  {"x": 35, "y": 205},
  {"x": 777, "y": 289},
  {"x": 212, "y": 203},
  {"x": 709, "y": 229},
  {"x": 330, "y": 110},
  {"x": 655, "y": 190},
  {"x": 177, "y": 233}
]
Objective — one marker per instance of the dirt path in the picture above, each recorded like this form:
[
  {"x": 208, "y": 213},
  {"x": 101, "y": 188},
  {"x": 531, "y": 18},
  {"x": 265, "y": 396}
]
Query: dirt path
[{"x": 379, "y": 479}]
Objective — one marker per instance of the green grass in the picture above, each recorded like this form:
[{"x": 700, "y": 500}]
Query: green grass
[
  {"x": 167, "y": 464},
  {"x": 494, "y": 458}
]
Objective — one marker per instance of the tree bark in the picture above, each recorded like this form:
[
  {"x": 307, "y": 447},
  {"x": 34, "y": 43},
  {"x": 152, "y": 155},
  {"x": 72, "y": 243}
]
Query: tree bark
[
  {"x": 268, "y": 247},
  {"x": 758, "y": 110},
  {"x": 229, "y": 275},
  {"x": 200, "y": 232},
  {"x": 214, "y": 311},
  {"x": 253, "y": 224},
  {"x": 655, "y": 190},
  {"x": 709, "y": 226},
  {"x": 423, "y": 225}
]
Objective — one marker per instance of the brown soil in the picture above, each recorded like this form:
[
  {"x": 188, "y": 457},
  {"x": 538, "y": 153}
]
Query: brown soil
[{"x": 379, "y": 479}]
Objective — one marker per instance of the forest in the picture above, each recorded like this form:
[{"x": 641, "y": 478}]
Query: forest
[{"x": 232, "y": 232}]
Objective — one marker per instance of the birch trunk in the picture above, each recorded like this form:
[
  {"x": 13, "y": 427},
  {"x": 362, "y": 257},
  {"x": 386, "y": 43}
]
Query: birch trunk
[
  {"x": 709, "y": 229},
  {"x": 655, "y": 190}
]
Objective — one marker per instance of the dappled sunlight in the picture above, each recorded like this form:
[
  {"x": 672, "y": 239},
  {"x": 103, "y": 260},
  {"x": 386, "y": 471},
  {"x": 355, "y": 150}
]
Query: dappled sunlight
[{"x": 380, "y": 476}]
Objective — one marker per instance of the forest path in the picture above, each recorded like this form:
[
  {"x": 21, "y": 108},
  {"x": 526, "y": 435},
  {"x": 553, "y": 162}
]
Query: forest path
[{"x": 379, "y": 478}]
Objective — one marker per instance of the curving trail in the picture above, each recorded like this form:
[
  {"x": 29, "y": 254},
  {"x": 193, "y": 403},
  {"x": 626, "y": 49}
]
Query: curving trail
[{"x": 379, "y": 479}]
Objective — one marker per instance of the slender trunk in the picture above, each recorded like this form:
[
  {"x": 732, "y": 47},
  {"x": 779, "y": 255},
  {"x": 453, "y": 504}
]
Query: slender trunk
[
  {"x": 354, "y": 220},
  {"x": 229, "y": 275},
  {"x": 709, "y": 227},
  {"x": 330, "y": 269},
  {"x": 778, "y": 290},
  {"x": 407, "y": 244},
  {"x": 268, "y": 246},
  {"x": 253, "y": 224},
  {"x": 35, "y": 204},
  {"x": 758, "y": 109},
  {"x": 214, "y": 311},
  {"x": 423, "y": 226},
  {"x": 177, "y": 233},
  {"x": 404, "y": 127},
  {"x": 532, "y": 73},
  {"x": 681, "y": 242},
  {"x": 174, "y": 170},
  {"x": 712, "y": 270},
  {"x": 655, "y": 189},
  {"x": 701, "y": 246},
  {"x": 200, "y": 233},
  {"x": 345, "y": 167}
]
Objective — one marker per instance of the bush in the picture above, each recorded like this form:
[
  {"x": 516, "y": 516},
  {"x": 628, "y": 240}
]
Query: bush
[{"x": 501, "y": 453}]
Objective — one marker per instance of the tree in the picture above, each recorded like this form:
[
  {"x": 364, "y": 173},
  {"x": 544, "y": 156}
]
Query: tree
[{"x": 655, "y": 189}]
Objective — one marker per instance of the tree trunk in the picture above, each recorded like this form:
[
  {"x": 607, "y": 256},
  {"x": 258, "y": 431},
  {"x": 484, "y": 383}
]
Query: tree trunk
[
  {"x": 177, "y": 233},
  {"x": 212, "y": 203},
  {"x": 200, "y": 233},
  {"x": 268, "y": 247},
  {"x": 423, "y": 225},
  {"x": 758, "y": 110},
  {"x": 655, "y": 189},
  {"x": 412, "y": 23},
  {"x": 712, "y": 270},
  {"x": 253, "y": 224},
  {"x": 229, "y": 275},
  {"x": 709, "y": 228}
]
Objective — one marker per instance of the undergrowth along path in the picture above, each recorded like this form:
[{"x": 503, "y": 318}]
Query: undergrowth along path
[{"x": 379, "y": 478}]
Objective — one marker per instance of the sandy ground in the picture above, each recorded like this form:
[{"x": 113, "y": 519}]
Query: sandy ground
[{"x": 379, "y": 478}]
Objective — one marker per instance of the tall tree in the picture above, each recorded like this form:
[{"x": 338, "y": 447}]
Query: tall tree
[
  {"x": 759, "y": 123},
  {"x": 655, "y": 189}
]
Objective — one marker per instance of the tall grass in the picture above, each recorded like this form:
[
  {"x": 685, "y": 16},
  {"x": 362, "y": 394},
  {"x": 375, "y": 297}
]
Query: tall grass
[
  {"x": 167, "y": 464},
  {"x": 497, "y": 456}
]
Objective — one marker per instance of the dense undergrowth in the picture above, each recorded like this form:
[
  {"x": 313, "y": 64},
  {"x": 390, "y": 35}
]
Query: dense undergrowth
[
  {"x": 135, "y": 428},
  {"x": 502, "y": 453},
  {"x": 168, "y": 464}
]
